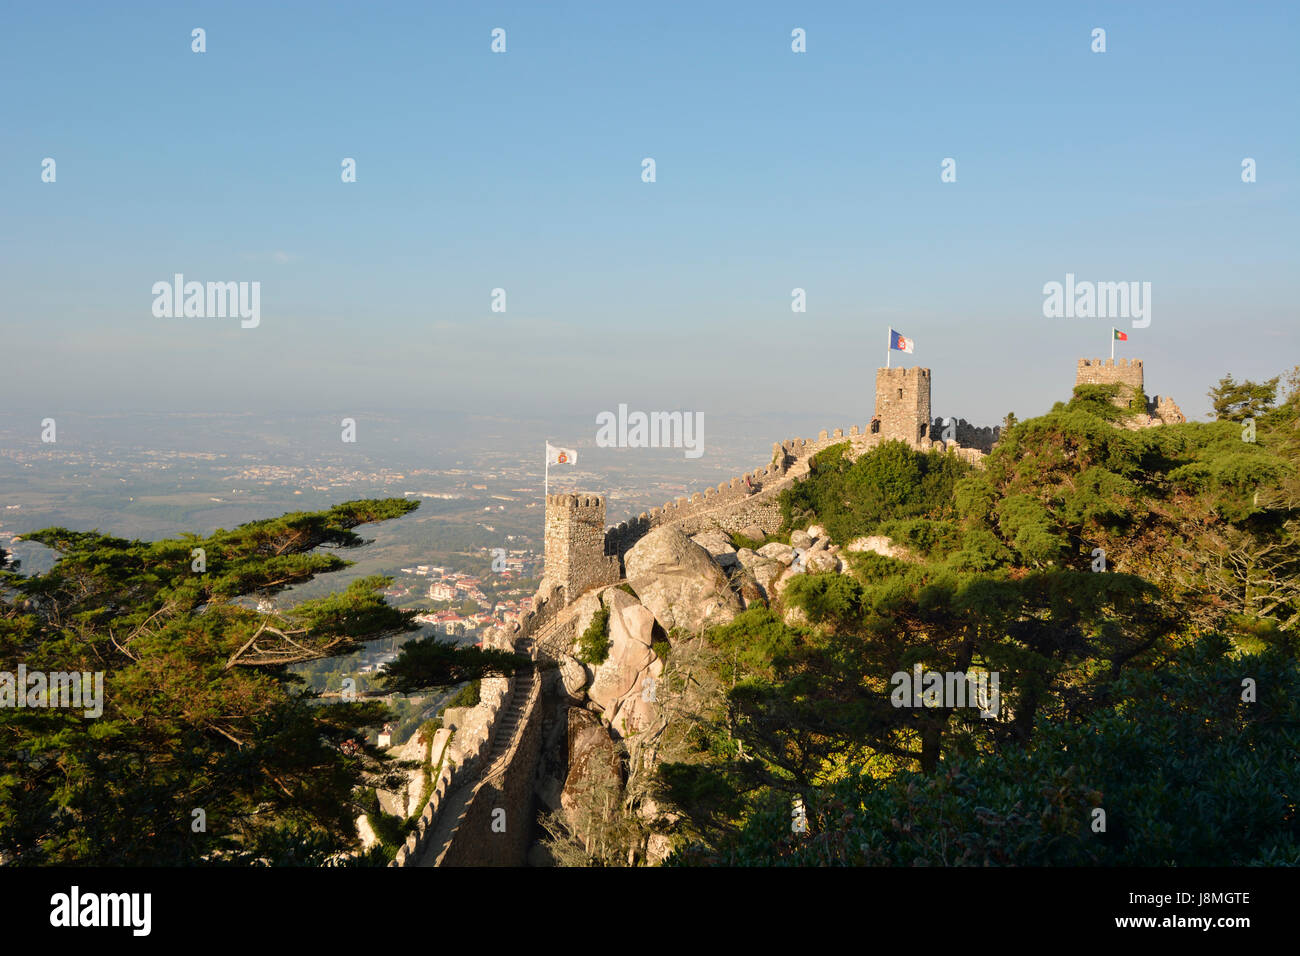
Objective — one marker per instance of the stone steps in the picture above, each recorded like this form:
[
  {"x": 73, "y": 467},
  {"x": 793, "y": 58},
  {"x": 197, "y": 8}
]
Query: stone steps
[{"x": 459, "y": 801}]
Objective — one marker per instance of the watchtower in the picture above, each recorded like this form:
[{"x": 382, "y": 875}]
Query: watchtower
[
  {"x": 903, "y": 404},
  {"x": 1127, "y": 373},
  {"x": 574, "y": 537}
]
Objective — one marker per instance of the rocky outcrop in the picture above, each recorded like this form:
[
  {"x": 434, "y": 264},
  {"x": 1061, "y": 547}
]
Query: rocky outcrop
[
  {"x": 821, "y": 562},
  {"x": 679, "y": 581},
  {"x": 719, "y": 547},
  {"x": 573, "y": 677},
  {"x": 777, "y": 551},
  {"x": 583, "y": 610},
  {"x": 880, "y": 545},
  {"x": 746, "y": 586},
  {"x": 624, "y": 682},
  {"x": 764, "y": 570},
  {"x": 594, "y": 763}
]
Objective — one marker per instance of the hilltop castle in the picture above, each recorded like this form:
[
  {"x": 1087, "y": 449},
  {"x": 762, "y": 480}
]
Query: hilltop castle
[
  {"x": 1127, "y": 373},
  {"x": 581, "y": 553},
  {"x": 497, "y": 753}
]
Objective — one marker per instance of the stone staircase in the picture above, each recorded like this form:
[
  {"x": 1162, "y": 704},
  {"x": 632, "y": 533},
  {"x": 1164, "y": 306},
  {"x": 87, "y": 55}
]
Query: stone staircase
[
  {"x": 508, "y": 721},
  {"x": 506, "y": 732}
]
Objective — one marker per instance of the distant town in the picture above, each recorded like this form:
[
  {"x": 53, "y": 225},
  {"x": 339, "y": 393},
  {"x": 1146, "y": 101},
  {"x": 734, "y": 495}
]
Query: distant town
[{"x": 458, "y": 590}]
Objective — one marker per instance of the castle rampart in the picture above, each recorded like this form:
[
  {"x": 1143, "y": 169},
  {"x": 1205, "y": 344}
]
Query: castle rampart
[
  {"x": 965, "y": 434},
  {"x": 1127, "y": 373},
  {"x": 1165, "y": 409},
  {"x": 581, "y": 554}
]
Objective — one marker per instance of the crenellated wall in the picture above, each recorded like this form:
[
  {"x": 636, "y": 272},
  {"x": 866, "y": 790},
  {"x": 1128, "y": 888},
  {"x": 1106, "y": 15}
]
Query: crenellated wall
[
  {"x": 1127, "y": 373},
  {"x": 498, "y": 824},
  {"x": 731, "y": 505},
  {"x": 965, "y": 434},
  {"x": 471, "y": 742},
  {"x": 1166, "y": 409},
  {"x": 582, "y": 554}
]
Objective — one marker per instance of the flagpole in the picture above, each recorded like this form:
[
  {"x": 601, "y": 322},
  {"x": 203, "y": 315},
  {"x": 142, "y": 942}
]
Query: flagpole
[
  {"x": 889, "y": 347},
  {"x": 1112, "y": 345}
]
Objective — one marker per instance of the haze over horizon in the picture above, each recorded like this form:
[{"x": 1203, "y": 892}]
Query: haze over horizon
[{"x": 522, "y": 171}]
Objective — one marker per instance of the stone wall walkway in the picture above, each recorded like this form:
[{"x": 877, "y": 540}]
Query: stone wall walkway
[{"x": 457, "y": 803}]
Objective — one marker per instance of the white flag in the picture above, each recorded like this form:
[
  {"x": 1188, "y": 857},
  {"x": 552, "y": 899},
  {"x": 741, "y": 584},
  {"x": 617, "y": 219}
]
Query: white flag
[{"x": 560, "y": 456}]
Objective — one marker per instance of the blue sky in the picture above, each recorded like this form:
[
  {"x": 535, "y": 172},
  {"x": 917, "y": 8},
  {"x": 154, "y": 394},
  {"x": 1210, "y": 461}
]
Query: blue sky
[{"x": 522, "y": 171}]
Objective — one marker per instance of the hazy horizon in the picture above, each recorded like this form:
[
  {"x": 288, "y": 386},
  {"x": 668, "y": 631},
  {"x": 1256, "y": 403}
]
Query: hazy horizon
[{"x": 522, "y": 171}]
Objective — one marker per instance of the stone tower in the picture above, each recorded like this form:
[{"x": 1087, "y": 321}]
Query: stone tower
[
  {"x": 1126, "y": 372},
  {"x": 903, "y": 404},
  {"x": 575, "y": 544}
]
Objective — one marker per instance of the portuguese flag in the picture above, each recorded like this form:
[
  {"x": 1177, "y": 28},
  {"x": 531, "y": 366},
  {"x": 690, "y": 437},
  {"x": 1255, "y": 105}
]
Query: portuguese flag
[{"x": 1120, "y": 336}]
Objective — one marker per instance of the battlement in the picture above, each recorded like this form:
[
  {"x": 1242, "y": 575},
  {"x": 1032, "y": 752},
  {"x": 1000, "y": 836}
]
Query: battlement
[
  {"x": 1110, "y": 363},
  {"x": 1127, "y": 373},
  {"x": 1166, "y": 410},
  {"x": 904, "y": 374},
  {"x": 577, "y": 502},
  {"x": 980, "y": 437}
]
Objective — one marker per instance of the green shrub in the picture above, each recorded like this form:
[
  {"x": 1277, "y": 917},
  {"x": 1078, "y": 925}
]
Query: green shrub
[
  {"x": 739, "y": 541},
  {"x": 891, "y": 482},
  {"x": 593, "y": 646},
  {"x": 1138, "y": 403},
  {"x": 429, "y": 728},
  {"x": 467, "y": 696},
  {"x": 661, "y": 649}
]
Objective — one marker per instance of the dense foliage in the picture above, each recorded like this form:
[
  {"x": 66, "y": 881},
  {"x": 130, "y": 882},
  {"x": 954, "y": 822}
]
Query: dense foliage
[
  {"x": 1121, "y": 583},
  {"x": 1175, "y": 770},
  {"x": 208, "y": 748}
]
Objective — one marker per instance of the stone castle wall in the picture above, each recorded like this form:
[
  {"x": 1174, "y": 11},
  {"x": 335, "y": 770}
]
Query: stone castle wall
[
  {"x": 731, "y": 505},
  {"x": 967, "y": 435},
  {"x": 582, "y": 554},
  {"x": 1127, "y": 373},
  {"x": 469, "y": 746},
  {"x": 1166, "y": 409}
]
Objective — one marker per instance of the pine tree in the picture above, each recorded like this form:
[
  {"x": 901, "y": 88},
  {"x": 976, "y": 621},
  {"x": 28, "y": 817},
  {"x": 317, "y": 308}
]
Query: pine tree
[{"x": 208, "y": 748}]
